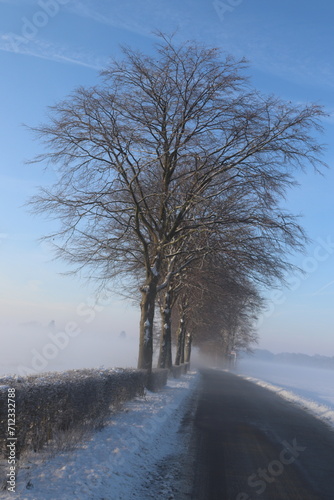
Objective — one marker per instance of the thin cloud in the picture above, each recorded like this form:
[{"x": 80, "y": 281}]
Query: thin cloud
[
  {"x": 50, "y": 51},
  {"x": 137, "y": 17},
  {"x": 322, "y": 289}
]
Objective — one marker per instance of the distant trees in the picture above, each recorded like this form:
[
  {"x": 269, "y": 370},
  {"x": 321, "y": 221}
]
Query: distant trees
[
  {"x": 172, "y": 158},
  {"x": 216, "y": 309}
]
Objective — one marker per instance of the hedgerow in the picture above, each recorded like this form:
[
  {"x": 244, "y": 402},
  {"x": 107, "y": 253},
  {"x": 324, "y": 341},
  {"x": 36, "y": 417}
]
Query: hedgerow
[{"x": 53, "y": 403}]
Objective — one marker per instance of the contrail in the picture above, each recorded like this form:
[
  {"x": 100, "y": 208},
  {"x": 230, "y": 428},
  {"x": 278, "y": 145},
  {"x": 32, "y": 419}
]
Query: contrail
[{"x": 323, "y": 288}]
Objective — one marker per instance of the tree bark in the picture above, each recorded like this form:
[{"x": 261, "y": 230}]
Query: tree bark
[
  {"x": 187, "y": 349},
  {"x": 180, "y": 341},
  {"x": 165, "y": 355},
  {"x": 183, "y": 341},
  {"x": 147, "y": 306}
]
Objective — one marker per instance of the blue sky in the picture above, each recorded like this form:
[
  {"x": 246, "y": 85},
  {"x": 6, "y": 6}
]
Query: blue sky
[{"x": 48, "y": 47}]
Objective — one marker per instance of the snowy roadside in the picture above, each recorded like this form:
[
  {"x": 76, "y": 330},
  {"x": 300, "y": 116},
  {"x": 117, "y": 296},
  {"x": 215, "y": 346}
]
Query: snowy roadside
[
  {"x": 295, "y": 396},
  {"x": 117, "y": 462}
]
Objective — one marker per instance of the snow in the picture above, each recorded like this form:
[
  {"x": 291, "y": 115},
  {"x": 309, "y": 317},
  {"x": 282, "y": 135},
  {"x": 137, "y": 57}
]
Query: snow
[
  {"x": 147, "y": 335},
  {"x": 154, "y": 270},
  {"x": 310, "y": 388},
  {"x": 116, "y": 463},
  {"x": 119, "y": 462}
]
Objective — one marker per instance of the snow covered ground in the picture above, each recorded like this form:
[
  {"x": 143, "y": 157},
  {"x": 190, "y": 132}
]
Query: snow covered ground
[
  {"x": 310, "y": 388},
  {"x": 126, "y": 459},
  {"x": 118, "y": 462}
]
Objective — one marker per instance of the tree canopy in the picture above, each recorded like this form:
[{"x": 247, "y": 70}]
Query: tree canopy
[{"x": 172, "y": 157}]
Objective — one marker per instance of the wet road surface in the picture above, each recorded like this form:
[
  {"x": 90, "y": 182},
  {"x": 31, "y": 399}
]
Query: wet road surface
[{"x": 248, "y": 443}]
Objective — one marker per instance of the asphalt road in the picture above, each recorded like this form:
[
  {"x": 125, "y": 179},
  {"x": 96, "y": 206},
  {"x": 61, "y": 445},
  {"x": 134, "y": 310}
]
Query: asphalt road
[{"x": 248, "y": 443}]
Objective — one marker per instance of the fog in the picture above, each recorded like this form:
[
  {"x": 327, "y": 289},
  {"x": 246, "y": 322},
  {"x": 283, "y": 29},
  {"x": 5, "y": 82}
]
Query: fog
[{"x": 35, "y": 348}]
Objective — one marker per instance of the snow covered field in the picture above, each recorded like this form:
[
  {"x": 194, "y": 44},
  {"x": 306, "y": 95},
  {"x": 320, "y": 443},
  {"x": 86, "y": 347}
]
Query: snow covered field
[
  {"x": 118, "y": 462},
  {"x": 311, "y": 388}
]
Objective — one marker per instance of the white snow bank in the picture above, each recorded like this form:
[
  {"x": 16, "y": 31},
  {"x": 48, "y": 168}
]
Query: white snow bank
[
  {"x": 319, "y": 410},
  {"x": 310, "y": 388},
  {"x": 113, "y": 463}
]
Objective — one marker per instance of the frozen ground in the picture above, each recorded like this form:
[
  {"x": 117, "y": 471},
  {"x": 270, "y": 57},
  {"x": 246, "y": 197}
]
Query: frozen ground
[
  {"x": 118, "y": 462},
  {"x": 311, "y": 388}
]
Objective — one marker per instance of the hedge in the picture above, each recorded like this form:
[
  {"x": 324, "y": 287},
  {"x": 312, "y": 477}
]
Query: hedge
[
  {"x": 178, "y": 370},
  {"x": 53, "y": 402},
  {"x": 157, "y": 379}
]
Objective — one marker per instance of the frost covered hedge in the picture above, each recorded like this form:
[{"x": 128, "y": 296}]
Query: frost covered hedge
[
  {"x": 157, "y": 379},
  {"x": 179, "y": 370},
  {"x": 56, "y": 402}
]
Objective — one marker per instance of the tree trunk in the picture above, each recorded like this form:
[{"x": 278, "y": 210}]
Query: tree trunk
[
  {"x": 179, "y": 358},
  {"x": 147, "y": 306},
  {"x": 187, "y": 349},
  {"x": 165, "y": 355},
  {"x": 180, "y": 342},
  {"x": 183, "y": 341}
]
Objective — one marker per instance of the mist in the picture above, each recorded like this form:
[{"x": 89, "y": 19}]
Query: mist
[{"x": 33, "y": 347}]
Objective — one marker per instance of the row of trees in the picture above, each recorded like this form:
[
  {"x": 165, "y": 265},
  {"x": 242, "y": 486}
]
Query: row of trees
[{"x": 171, "y": 173}]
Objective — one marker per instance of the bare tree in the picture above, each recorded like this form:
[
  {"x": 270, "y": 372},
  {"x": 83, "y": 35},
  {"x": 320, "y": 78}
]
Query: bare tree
[
  {"x": 224, "y": 307},
  {"x": 145, "y": 159},
  {"x": 183, "y": 253}
]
